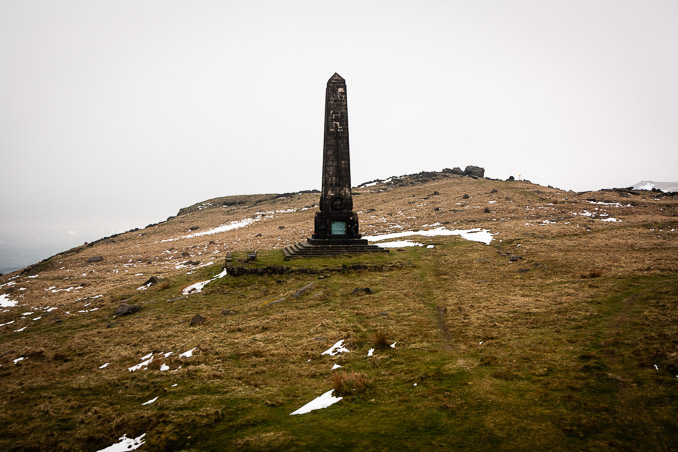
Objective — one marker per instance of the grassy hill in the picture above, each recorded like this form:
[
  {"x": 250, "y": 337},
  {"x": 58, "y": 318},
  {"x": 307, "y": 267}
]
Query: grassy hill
[{"x": 561, "y": 334}]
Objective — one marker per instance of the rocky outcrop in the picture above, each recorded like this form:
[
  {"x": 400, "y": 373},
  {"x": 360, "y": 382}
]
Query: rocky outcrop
[{"x": 475, "y": 171}]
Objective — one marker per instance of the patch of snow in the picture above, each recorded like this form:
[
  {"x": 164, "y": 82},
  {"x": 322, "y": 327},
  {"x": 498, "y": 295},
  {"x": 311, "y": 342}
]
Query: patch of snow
[
  {"x": 164, "y": 367},
  {"x": 318, "y": 403},
  {"x": 19, "y": 330},
  {"x": 144, "y": 287},
  {"x": 400, "y": 244},
  {"x": 188, "y": 354},
  {"x": 611, "y": 220},
  {"x": 103, "y": 366},
  {"x": 168, "y": 354},
  {"x": 5, "y": 301},
  {"x": 370, "y": 352},
  {"x": 125, "y": 444},
  {"x": 32, "y": 277},
  {"x": 393, "y": 344},
  {"x": 149, "y": 402},
  {"x": 147, "y": 356},
  {"x": 224, "y": 227},
  {"x": 336, "y": 349},
  {"x": 20, "y": 358},
  {"x": 475, "y": 234},
  {"x": 37, "y": 318},
  {"x": 11, "y": 283},
  {"x": 141, "y": 364},
  {"x": 430, "y": 246},
  {"x": 68, "y": 289},
  {"x": 335, "y": 366},
  {"x": 197, "y": 287},
  {"x": 8, "y": 323}
]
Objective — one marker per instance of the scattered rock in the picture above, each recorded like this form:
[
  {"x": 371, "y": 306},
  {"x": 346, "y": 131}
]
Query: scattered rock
[
  {"x": 194, "y": 228},
  {"x": 301, "y": 291},
  {"x": 95, "y": 259},
  {"x": 281, "y": 227},
  {"x": 466, "y": 196},
  {"x": 192, "y": 263},
  {"x": 523, "y": 270},
  {"x": 511, "y": 179},
  {"x": 176, "y": 299},
  {"x": 514, "y": 258},
  {"x": 127, "y": 309},
  {"x": 483, "y": 260},
  {"x": 385, "y": 314},
  {"x": 456, "y": 170},
  {"x": 361, "y": 290},
  {"x": 197, "y": 320},
  {"x": 153, "y": 280},
  {"x": 185, "y": 254},
  {"x": 494, "y": 190},
  {"x": 435, "y": 193},
  {"x": 476, "y": 171},
  {"x": 258, "y": 235},
  {"x": 228, "y": 312},
  {"x": 487, "y": 210}
]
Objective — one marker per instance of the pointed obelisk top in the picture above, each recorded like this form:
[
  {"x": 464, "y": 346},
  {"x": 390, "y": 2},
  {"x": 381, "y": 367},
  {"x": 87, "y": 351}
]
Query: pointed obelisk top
[{"x": 336, "y": 78}]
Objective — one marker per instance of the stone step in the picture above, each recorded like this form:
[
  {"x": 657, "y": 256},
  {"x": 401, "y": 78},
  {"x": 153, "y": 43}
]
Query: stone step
[{"x": 317, "y": 248}]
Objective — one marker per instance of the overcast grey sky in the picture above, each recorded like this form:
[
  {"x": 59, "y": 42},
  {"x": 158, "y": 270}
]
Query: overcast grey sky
[{"x": 114, "y": 114}]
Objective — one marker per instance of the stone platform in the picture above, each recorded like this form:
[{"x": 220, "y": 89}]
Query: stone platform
[{"x": 330, "y": 247}]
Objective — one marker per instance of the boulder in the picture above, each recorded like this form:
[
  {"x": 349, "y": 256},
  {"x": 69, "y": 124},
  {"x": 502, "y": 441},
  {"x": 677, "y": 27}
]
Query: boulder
[
  {"x": 197, "y": 320},
  {"x": 153, "y": 280},
  {"x": 474, "y": 171},
  {"x": 127, "y": 309},
  {"x": 456, "y": 170}
]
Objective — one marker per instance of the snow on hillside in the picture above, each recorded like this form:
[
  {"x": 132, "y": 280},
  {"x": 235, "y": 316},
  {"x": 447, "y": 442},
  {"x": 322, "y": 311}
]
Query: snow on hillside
[{"x": 663, "y": 186}]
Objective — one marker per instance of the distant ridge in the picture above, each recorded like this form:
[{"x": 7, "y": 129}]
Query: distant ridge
[{"x": 663, "y": 186}]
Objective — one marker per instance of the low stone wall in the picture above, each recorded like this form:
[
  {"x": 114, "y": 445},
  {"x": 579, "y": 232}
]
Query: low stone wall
[{"x": 283, "y": 269}]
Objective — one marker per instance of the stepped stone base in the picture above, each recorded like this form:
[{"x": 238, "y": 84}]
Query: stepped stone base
[{"x": 330, "y": 247}]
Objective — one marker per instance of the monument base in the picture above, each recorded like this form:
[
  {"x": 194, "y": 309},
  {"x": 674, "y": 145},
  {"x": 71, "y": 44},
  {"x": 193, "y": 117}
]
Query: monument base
[{"x": 330, "y": 247}]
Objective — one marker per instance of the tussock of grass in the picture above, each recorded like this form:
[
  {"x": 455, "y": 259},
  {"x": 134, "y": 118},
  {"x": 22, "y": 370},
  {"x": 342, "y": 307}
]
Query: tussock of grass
[
  {"x": 349, "y": 383},
  {"x": 380, "y": 341}
]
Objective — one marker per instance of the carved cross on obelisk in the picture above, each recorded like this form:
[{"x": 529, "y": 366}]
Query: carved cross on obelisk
[{"x": 336, "y": 219}]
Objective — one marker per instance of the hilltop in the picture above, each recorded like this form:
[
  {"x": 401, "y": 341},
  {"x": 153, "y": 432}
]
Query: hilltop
[{"x": 559, "y": 334}]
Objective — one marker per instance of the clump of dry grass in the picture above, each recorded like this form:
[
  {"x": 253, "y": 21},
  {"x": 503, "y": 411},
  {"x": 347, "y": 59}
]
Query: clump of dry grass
[
  {"x": 589, "y": 274},
  {"x": 349, "y": 383},
  {"x": 380, "y": 341}
]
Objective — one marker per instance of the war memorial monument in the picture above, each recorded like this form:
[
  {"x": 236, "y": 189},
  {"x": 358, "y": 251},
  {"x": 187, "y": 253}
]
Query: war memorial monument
[{"x": 336, "y": 226}]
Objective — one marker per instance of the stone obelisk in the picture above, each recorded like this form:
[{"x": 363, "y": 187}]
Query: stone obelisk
[
  {"x": 336, "y": 225},
  {"x": 336, "y": 218}
]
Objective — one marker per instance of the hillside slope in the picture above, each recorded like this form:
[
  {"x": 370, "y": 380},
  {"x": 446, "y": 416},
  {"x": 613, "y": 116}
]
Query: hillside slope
[{"x": 560, "y": 334}]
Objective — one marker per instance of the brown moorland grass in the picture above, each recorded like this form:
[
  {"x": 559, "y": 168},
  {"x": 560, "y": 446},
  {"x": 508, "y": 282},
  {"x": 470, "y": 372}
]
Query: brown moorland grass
[{"x": 491, "y": 352}]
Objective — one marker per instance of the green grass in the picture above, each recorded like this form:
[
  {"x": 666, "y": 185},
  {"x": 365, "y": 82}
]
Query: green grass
[{"x": 565, "y": 363}]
